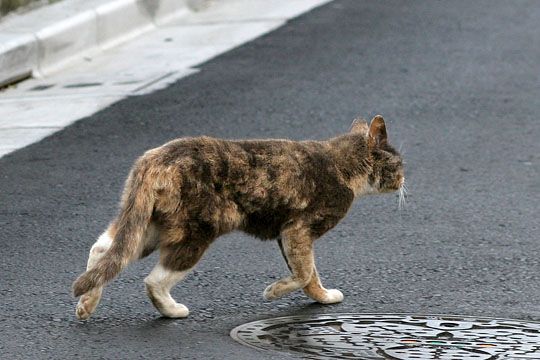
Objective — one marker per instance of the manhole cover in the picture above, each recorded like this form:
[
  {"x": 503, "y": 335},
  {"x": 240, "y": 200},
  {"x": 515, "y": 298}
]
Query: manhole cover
[{"x": 393, "y": 336}]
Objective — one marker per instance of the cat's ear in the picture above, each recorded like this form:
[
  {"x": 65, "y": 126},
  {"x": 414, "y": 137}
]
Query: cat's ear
[
  {"x": 359, "y": 126},
  {"x": 377, "y": 132}
]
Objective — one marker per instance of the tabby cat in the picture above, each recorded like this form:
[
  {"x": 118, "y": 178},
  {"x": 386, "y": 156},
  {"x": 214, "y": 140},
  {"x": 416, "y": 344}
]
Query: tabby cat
[{"x": 181, "y": 196}]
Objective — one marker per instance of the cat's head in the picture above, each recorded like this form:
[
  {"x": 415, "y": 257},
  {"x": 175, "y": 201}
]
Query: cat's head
[{"x": 387, "y": 166}]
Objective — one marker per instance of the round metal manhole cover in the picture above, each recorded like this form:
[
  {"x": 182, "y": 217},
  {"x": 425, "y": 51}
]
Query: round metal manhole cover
[{"x": 394, "y": 336}]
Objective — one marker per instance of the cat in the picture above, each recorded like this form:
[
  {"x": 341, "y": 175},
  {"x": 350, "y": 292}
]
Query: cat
[{"x": 180, "y": 197}]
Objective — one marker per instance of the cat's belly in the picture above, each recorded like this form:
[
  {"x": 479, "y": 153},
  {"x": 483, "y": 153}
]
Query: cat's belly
[{"x": 265, "y": 225}]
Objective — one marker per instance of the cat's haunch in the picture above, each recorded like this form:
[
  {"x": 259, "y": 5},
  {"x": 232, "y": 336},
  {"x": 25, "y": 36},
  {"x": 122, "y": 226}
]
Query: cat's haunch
[{"x": 181, "y": 196}]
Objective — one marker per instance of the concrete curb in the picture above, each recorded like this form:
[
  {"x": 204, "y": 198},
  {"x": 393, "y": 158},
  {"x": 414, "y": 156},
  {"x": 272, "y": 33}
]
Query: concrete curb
[{"x": 44, "y": 40}]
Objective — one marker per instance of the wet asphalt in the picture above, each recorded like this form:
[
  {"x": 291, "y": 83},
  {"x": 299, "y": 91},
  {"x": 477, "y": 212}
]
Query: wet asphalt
[{"x": 459, "y": 85}]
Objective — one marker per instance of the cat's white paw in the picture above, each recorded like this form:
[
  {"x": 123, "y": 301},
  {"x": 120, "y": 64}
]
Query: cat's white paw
[
  {"x": 81, "y": 312},
  {"x": 332, "y": 296},
  {"x": 270, "y": 293},
  {"x": 175, "y": 312},
  {"x": 86, "y": 306}
]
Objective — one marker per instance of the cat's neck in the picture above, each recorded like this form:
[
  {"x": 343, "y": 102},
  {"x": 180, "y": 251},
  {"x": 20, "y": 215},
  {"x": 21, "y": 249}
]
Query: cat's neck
[{"x": 353, "y": 161}]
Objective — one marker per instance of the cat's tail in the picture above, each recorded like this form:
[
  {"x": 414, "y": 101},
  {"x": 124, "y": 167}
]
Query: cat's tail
[{"x": 131, "y": 224}]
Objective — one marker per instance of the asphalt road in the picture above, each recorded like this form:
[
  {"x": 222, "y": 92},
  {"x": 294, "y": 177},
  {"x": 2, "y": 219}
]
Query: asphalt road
[{"x": 458, "y": 83}]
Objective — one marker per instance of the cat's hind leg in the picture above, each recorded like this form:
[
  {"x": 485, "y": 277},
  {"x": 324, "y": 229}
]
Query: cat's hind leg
[
  {"x": 88, "y": 302},
  {"x": 176, "y": 261},
  {"x": 158, "y": 286},
  {"x": 297, "y": 247}
]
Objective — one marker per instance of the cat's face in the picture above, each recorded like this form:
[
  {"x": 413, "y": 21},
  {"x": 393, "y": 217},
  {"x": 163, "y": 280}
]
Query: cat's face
[{"x": 387, "y": 174}]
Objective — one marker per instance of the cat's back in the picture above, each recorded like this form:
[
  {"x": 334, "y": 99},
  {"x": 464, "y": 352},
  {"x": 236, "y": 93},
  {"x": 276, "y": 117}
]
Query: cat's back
[
  {"x": 179, "y": 150},
  {"x": 275, "y": 163},
  {"x": 247, "y": 154}
]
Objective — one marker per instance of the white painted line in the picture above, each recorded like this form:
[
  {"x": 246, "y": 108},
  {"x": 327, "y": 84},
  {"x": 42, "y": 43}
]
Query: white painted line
[
  {"x": 17, "y": 138},
  {"x": 39, "y": 113}
]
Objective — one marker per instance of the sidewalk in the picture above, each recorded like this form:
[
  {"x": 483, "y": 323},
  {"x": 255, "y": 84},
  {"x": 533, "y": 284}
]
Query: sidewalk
[{"x": 159, "y": 52}]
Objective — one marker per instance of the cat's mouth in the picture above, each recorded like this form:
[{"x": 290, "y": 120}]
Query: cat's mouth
[{"x": 398, "y": 185}]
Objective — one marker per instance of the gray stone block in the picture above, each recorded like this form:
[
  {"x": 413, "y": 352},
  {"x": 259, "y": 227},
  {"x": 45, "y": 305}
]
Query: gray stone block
[{"x": 18, "y": 56}]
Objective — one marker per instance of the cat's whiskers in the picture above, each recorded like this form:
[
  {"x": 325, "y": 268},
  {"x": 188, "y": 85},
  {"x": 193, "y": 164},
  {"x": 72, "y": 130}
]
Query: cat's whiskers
[
  {"x": 401, "y": 150},
  {"x": 402, "y": 196}
]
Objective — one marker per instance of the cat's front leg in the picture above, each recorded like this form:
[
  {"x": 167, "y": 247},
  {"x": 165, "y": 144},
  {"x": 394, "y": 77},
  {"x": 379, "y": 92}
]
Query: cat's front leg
[
  {"x": 317, "y": 292},
  {"x": 297, "y": 248},
  {"x": 314, "y": 288}
]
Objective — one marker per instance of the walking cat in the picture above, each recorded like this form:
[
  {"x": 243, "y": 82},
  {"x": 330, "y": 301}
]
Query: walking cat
[{"x": 181, "y": 196}]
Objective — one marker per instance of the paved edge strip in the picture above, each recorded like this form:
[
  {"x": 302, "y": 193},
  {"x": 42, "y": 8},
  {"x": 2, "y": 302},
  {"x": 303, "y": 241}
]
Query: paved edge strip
[{"x": 44, "y": 40}]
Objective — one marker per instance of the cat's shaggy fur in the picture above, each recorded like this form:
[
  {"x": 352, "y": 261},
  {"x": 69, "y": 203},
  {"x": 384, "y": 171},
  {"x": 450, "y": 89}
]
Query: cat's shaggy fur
[{"x": 181, "y": 196}]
